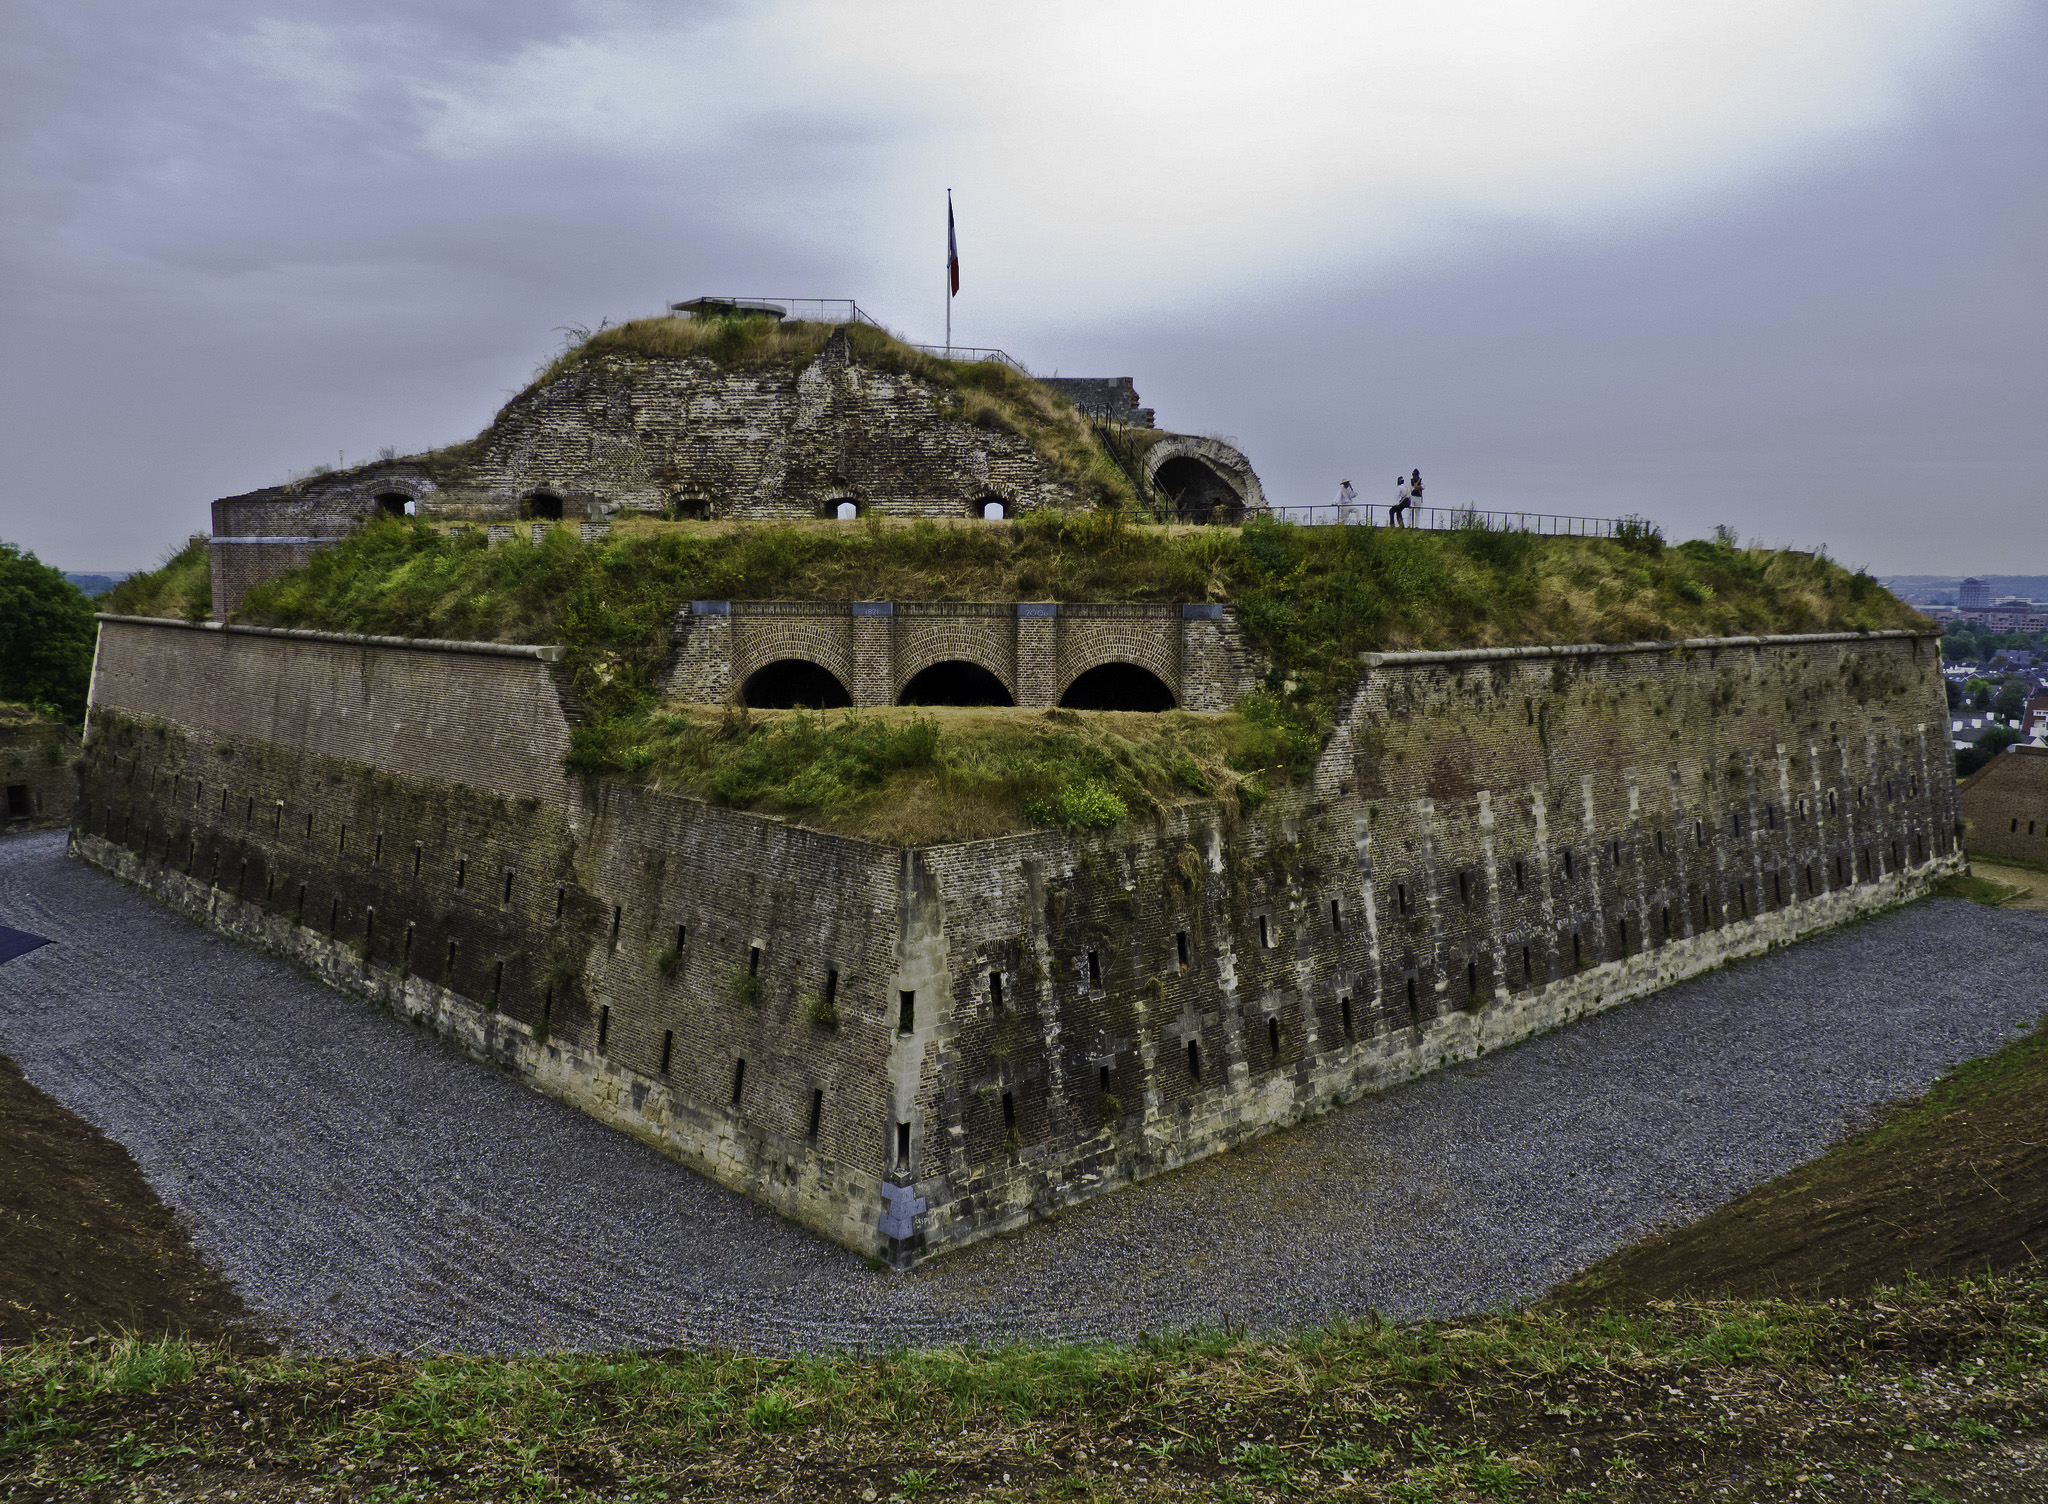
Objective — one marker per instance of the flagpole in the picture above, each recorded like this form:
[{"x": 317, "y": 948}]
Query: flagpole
[{"x": 949, "y": 274}]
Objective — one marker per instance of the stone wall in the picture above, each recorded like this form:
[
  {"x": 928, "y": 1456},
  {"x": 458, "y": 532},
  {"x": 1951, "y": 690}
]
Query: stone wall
[
  {"x": 37, "y": 780},
  {"x": 1114, "y": 398},
  {"x": 912, "y": 1049},
  {"x": 1036, "y": 648},
  {"x": 2005, "y": 803}
]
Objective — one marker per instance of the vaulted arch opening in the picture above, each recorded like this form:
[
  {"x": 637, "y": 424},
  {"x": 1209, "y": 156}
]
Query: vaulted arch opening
[
  {"x": 1117, "y": 686},
  {"x": 794, "y": 684},
  {"x": 542, "y": 506},
  {"x": 955, "y": 683},
  {"x": 990, "y": 508},
  {"x": 1197, "y": 491},
  {"x": 396, "y": 504}
]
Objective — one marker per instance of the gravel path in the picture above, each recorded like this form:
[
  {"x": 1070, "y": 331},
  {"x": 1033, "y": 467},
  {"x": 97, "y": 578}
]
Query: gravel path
[{"x": 376, "y": 1191}]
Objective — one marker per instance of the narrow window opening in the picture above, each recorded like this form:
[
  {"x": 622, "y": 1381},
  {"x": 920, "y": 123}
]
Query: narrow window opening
[
  {"x": 995, "y": 990},
  {"x": 1520, "y": 876},
  {"x": 1528, "y": 965},
  {"x": 1465, "y": 889},
  {"x": 1699, "y": 833},
  {"x": 249, "y": 814},
  {"x": 448, "y": 964},
  {"x": 406, "y": 960},
  {"x": 1344, "y": 1011},
  {"x": 1009, "y": 1112},
  {"x": 461, "y": 873},
  {"x": 1102, "y": 1079},
  {"x": 1621, "y": 934},
  {"x": 604, "y": 1024},
  {"x": 277, "y": 819},
  {"x": 342, "y": 843},
  {"x": 506, "y": 896},
  {"x": 1471, "y": 978},
  {"x": 1666, "y": 914},
  {"x": 1194, "y": 1060},
  {"x": 906, "y": 1012},
  {"x": 683, "y": 939},
  {"x": 618, "y": 912},
  {"x": 497, "y": 981},
  {"x": 1265, "y": 935},
  {"x": 309, "y": 825},
  {"x": 1095, "y": 969},
  {"x": 668, "y": 1049},
  {"x": 561, "y": 897},
  {"x": 1273, "y": 1037},
  {"x": 902, "y": 1146},
  {"x": 1578, "y": 952},
  {"x": 1660, "y": 843},
  {"x": 831, "y": 985},
  {"x": 1614, "y": 852},
  {"x": 417, "y": 853},
  {"x": 739, "y": 1080},
  {"x": 1742, "y": 898},
  {"x": 1771, "y": 816},
  {"x": 1180, "y": 943},
  {"x": 753, "y": 951},
  {"x": 377, "y": 850},
  {"x": 817, "y": 1113},
  {"x": 1336, "y": 917},
  {"x": 1401, "y": 897},
  {"x": 1411, "y": 994}
]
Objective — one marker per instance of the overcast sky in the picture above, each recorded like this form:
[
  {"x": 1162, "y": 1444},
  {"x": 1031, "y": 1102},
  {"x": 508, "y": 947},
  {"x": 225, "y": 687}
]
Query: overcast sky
[{"x": 1774, "y": 263}]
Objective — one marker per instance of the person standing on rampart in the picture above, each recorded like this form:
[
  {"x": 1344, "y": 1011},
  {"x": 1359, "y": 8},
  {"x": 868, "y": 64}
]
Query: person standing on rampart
[
  {"x": 1400, "y": 502},
  {"x": 1415, "y": 490},
  {"x": 1346, "y": 503}
]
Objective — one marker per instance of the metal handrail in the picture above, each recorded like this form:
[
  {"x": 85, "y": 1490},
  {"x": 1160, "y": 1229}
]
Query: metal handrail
[
  {"x": 1424, "y": 519},
  {"x": 972, "y": 353},
  {"x": 847, "y": 311}
]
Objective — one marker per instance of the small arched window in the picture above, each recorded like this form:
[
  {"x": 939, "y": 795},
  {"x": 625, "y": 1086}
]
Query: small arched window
[
  {"x": 543, "y": 506},
  {"x": 846, "y": 511},
  {"x": 397, "y": 504}
]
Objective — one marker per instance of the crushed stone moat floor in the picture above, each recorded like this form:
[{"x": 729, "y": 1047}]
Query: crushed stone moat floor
[{"x": 372, "y": 1190}]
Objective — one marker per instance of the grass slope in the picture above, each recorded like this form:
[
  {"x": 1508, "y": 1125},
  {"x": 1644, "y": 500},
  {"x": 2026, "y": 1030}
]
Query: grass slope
[
  {"x": 1310, "y": 600},
  {"x": 1919, "y": 1393}
]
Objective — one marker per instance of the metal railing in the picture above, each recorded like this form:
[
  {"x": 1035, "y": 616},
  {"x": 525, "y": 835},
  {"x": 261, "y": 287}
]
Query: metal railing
[
  {"x": 972, "y": 353},
  {"x": 1425, "y": 519}
]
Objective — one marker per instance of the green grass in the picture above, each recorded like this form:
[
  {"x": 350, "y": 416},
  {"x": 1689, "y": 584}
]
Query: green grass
[
  {"x": 1490, "y": 1404},
  {"x": 918, "y": 775},
  {"x": 1309, "y": 600},
  {"x": 180, "y": 588}
]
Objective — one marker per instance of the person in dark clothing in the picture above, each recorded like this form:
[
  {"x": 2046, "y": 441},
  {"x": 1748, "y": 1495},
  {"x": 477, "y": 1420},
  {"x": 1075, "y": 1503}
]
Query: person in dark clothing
[{"x": 1415, "y": 489}]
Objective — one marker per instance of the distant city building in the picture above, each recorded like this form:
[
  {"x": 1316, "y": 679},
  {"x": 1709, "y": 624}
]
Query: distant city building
[{"x": 1974, "y": 595}]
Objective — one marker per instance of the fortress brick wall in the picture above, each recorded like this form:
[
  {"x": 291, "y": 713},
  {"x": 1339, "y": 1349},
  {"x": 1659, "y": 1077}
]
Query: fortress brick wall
[
  {"x": 1036, "y": 648},
  {"x": 909, "y": 1049},
  {"x": 2005, "y": 803},
  {"x": 37, "y": 780}
]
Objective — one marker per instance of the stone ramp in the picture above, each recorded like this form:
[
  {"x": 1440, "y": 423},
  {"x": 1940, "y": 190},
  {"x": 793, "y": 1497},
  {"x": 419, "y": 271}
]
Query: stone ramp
[{"x": 373, "y": 1189}]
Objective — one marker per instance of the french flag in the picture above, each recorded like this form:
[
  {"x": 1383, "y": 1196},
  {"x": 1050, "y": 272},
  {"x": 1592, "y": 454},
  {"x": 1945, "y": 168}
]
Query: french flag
[{"x": 952, "y": 252}]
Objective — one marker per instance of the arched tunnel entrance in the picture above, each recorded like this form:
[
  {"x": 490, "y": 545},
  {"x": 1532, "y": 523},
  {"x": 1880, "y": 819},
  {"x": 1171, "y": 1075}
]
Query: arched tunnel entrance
[
  {"x": 1197, "y": 492},
  {"x": 1117, "y": 686},
  {"x": 794, "y": 684},
  {"x": 955, "y": 683}
]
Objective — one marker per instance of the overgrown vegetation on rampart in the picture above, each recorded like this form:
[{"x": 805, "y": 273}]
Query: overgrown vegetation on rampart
[
  {"x": 986, "y": 394},
  {"x": 1309, "y": 600}
]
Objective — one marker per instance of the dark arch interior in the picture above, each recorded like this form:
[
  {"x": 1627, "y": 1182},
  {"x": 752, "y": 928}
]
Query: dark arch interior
[
  {"x": 955, "y": 683},
  {"x": 981, "y": 504},
  {"x": 395, "y": 503},
  {"x": 1196, "y": 491},
  {"x": 793, "y": 684},
  {"x": 1117, "y": 686},
  {"x": 544, "y": 507}
]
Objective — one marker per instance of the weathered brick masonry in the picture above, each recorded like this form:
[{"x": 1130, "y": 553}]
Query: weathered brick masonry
[
  {"x": 37, "y": 781},
  {"x": 2005, "y": 803},
  {"x": 1492, "y": 844},
  {"x": 1037, "y": 649}
]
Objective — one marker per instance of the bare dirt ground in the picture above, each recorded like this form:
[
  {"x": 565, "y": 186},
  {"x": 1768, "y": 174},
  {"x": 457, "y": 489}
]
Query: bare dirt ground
[{"x": 85, "y": 1245}]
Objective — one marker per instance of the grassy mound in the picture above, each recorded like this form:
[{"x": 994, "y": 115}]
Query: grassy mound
[
  {"x": 180, "y": 588},
  {"x": 1310, "y": 600},
  {"x": 917, "y": 776},
  {"x": 987, "y": 394}
]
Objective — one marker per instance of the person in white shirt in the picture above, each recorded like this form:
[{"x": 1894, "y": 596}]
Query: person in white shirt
[
  {"x": 1346, "y": 503},
  {"x": 1401, "y": 502}
]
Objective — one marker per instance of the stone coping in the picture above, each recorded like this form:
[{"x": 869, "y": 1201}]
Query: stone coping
[
  {"x": 1596, "y": 649},
  {"x": 544, "y": 654}
]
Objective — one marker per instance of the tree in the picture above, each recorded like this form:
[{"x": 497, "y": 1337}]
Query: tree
[
  {"x": 1994, "y": 740},
  {"x": 46, "y": 636}
]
